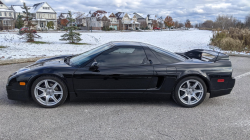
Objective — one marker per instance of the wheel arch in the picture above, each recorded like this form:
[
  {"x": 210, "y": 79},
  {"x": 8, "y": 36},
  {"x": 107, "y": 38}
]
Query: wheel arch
[
  {"x": 196, "y": 75},
  {"x": 34, "y": 78}
]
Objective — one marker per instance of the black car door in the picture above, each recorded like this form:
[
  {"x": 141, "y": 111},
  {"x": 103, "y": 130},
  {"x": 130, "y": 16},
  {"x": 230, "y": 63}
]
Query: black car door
[{"x": 120, "y": 70}]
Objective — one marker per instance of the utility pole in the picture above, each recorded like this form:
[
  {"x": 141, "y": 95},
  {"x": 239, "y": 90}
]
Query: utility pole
[{"x": 90, "y": 21}]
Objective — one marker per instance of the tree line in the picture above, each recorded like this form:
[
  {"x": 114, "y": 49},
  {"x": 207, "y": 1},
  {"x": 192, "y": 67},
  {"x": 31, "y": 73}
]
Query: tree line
[{"x": 224, "y": 22}]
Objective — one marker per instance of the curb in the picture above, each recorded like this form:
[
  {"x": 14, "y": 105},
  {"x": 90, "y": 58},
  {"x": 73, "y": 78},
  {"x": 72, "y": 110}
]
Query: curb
[
  {"x": 17, "y": 61},
  {"x": 238, "y": 55}
]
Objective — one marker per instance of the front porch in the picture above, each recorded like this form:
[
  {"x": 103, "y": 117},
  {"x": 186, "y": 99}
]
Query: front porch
[
  {"x": 41, "y": 24},
  {"x": 7, "y": 24},
  {"x": 131, "y": 26}
]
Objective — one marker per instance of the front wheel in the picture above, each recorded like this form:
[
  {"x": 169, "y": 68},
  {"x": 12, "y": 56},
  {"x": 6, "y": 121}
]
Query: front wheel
[
  {"x": 49, "y": 91},
  {"x": 190, "y": 92}
]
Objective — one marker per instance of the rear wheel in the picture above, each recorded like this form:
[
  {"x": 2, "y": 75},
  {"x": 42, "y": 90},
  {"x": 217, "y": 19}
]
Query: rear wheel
[
  {"x": 190, "y": 92},
  {"x": 49, "y": 91}
]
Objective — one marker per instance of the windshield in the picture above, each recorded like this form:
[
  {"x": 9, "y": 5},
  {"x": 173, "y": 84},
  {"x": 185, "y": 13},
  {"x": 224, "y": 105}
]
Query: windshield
[
  {"x": 86, "y": 56},
  {"x": 160, "y": 50}
]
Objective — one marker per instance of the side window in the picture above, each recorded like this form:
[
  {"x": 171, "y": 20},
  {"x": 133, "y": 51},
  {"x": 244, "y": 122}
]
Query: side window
[
  {"x": 122, "y": 56},
  {"x": 152, "y": 57},
  {"x": 165, "y": 59}
]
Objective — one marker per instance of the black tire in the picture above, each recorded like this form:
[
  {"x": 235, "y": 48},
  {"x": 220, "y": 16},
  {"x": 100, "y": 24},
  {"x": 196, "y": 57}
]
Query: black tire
[
  {"x": 61, "y": 85},
  {"x": 180, "y": 101}
]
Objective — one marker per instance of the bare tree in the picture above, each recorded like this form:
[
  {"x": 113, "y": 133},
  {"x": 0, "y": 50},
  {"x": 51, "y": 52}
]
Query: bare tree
[
  {"x": 196, "y": 26},
  {"x": 181, "y": 25},
  {"x": 155, "y": 23},
  {"x": 105, "y": 23},
  {"x": 188, "y": 24},
  {"x": 176, "y": 24},
  {"x": 225, "y": 22},
  {"x": 247, "y": 22},
  {"x": 120, "y": 25},
  {"x": 78, "y": 16},
  {"x": 160, "y": 24},
  {"x": 208, "y": 24},
  {"x": 143, "y": 25}
]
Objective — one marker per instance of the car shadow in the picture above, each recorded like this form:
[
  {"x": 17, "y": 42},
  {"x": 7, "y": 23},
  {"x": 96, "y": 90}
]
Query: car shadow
[
  {"x": 166, "y": 101},
  {"x": 163, "y": 101}
]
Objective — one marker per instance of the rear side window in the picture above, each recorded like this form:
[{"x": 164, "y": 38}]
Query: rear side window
[
  {"x": 122, "y": 56},
  {"x": 165, "y": 59}
]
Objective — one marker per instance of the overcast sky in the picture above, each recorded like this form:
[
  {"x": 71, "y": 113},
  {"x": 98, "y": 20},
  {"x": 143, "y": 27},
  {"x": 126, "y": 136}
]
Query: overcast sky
[{"x": 180, "y": 10}]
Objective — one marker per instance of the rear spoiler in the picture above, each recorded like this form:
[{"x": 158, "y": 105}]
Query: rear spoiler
[{"x": 208, "y": 55}]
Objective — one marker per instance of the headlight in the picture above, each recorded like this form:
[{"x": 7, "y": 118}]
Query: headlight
[{"x": 22, "y": 70}]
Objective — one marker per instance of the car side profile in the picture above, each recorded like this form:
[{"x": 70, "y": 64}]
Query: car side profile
[{"x": 124, "y": 69}]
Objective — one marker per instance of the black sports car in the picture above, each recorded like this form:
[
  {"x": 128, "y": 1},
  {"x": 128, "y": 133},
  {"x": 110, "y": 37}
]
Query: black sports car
[{"x": 121, "y": 69}]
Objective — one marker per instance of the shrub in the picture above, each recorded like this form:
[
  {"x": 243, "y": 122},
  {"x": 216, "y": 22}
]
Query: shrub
[{"x": 233, "y": 39}]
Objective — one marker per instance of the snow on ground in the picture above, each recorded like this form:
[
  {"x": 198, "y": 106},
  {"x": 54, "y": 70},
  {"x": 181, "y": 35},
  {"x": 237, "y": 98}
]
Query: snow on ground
[{"x": 175, "y": 41}]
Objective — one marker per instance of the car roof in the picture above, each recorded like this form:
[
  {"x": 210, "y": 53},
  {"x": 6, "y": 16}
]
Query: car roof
[{"x": 126, "y": 43}]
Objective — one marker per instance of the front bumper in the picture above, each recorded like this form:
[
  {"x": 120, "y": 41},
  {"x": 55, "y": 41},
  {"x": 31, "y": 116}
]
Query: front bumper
[
  {"x": 20, "y": 95},
  {"x": 15, "y": 91},
  {"x": 228, "y": 87}
]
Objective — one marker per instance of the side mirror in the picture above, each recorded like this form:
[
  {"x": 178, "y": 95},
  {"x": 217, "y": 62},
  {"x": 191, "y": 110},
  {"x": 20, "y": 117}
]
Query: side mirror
[{"x": 94, "y": 67}]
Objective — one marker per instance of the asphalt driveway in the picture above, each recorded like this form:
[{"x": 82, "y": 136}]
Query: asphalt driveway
[{"x": 226, "y": 117}]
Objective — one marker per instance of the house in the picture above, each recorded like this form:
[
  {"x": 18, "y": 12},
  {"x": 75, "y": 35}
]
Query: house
[
  {"x": 65, "y": 16},
  {"x": 127, "y": 21},
  {"x": 18, "y": 10},
  {"x": 41, "y": 13},
  {"x": 100, "y": 19},
  {"x": 151, "y": 19},
  {"x": 161, "y": 22},
  {"x": 94, "y": 21},
  {"x": 81, "y": 21},
  {"x": 6, "y": 17},
  {"x": 142, "y": 19},
  {"x": 110, "y": 20}
]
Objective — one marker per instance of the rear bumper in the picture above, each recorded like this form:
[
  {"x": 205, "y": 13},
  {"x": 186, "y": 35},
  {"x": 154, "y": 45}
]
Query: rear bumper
[
  {"x": 229, "y": 88},
  {"x": 20, "y": 95}
]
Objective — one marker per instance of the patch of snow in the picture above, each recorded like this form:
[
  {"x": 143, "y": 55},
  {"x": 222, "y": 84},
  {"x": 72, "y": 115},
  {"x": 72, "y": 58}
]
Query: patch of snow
[{"x": 175, "y": 41}]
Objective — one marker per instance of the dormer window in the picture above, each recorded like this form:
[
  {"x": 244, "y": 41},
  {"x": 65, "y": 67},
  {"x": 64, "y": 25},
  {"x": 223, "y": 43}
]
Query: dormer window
[{"x": 46, "y": 8}]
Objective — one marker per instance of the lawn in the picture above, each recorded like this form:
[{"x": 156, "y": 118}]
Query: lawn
[{"x": 50, "y": 45}]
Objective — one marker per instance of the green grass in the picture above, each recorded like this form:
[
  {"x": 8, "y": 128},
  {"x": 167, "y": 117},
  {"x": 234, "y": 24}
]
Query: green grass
[
  {"x": 79, "y": 43},
  {"x": 39, "y": 42},
  {"x": 1, "y": 47}
]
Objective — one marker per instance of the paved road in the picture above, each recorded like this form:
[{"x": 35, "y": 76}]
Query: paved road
[{"x": 222, "y": 118}]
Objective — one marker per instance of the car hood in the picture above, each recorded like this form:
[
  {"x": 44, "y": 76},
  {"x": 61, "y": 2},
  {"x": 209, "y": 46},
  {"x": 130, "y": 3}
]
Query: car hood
[
  {"x": 62, "y": 57},
  {"x": 50, "y": 62}
]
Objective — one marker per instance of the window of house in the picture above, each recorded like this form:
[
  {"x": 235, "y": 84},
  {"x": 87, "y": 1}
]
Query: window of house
[
  {"x": 5, "y": 14},
  {"x": 46, "y": 8},
  {"x": 0, "y": 13},
  {"x": 10, "y": 14}
]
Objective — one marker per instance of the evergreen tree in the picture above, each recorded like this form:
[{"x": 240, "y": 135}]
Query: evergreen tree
[
  {"x": 19, "y": 21},
  {"x": 29, "y": 34},
  {"x": 50, "y": 25},
  {"x": 71, "y": 36}
]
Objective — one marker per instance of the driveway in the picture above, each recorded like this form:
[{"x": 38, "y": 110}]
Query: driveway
[{"x": 224, "y": 118}]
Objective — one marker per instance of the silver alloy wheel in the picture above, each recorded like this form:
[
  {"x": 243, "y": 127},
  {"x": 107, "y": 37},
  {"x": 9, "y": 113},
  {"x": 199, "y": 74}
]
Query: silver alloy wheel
[
  {"x": 190, "y": 92},
  {"x": 48, "y": 92}
]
